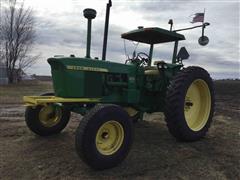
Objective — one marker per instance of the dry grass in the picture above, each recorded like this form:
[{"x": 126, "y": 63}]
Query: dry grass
[{"x": 13, "y": 93}]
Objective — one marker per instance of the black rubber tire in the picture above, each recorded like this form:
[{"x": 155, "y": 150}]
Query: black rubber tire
[
  {"x": 175, "y": 98},
  {"x": 33, "y": 123},
  {"x": 48, "y": 94},
  {"x": 86, "y": 136}
]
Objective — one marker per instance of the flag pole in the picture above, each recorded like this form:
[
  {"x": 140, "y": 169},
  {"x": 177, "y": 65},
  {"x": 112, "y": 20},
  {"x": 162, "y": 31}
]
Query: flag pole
[
  {"x": 203, "y": 27},
  {"x": 205, "y": 24},
  {"x": 204, "y": 15}
]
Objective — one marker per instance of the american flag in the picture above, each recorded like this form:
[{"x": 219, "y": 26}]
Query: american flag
[{"x": 198, "y": 17}]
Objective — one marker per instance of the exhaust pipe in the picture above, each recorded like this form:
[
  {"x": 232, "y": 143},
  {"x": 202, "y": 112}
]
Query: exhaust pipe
[
  {"x": 89, "y": 14},
  {"x": 106, "y": 30}
]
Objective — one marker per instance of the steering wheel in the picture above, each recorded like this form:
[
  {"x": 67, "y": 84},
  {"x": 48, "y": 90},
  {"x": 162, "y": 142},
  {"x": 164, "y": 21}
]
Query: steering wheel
[{"x": 143, "y": 58}]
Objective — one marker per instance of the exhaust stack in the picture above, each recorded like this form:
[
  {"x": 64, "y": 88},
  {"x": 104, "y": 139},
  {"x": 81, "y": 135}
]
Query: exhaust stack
[
  {"x": 89, "y": 14},
  {"x": 106, "y": 30}
]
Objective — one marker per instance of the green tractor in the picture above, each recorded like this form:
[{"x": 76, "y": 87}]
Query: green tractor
[{"x": 111, "y": 96}]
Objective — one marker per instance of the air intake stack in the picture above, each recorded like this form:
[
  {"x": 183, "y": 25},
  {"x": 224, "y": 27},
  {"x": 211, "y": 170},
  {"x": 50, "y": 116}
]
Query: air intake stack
[
  {"x": 89, "y": 14},
  {"x": 109, "y": 5}
]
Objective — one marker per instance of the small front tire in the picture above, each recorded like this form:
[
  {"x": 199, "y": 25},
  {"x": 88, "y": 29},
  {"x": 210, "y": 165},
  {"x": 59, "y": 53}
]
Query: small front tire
[{"x": 46, "y": 120}]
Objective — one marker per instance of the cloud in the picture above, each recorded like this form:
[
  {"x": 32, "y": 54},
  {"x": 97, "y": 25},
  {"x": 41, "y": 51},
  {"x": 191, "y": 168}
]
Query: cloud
[{"x": 62, "y": 30}]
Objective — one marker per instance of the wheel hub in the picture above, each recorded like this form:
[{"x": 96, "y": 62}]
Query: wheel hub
[
  {"x": 109, "y": 137},
  {"x": 197, "y": 105},
  {"x": 188, "y": 104},
  {"x": 105, "y": 135},
  {"x": 50, "y": 115}
]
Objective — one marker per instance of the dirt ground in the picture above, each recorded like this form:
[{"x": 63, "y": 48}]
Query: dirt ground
[{"x": 155, "y": 154}]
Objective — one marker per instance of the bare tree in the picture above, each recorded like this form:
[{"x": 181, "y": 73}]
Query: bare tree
[
  {"x": 17, "y": 36},
  {"x": 1, "y": 38}
]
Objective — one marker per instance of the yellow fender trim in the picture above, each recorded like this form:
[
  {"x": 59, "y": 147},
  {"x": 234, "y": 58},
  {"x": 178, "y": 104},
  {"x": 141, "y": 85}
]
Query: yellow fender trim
[{"x": 42, "y": 100}]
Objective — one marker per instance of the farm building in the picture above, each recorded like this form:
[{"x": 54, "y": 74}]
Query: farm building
[
  {"x": 18, "y": 75},
  {"x": 3, "y": 74}
]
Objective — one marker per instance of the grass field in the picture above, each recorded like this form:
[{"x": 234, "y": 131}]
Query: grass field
[
  {"x": 12, "y": 94},
  {"x": 155, "y": 154}
]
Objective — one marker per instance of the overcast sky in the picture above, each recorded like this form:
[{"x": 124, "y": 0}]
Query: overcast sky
[{"x": 61, "y": 30}]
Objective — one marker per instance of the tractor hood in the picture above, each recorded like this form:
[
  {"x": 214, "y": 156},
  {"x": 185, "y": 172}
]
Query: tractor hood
[{"x": 84, "y": 77}]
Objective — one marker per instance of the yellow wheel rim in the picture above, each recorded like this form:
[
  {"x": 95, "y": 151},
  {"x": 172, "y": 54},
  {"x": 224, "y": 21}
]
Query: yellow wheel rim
[
  {"x": 131, "y": 111},
  {"x": 49, "y": 115},
  {"x": 197, "y": 105},
  {"x": 109, "y": 137}
]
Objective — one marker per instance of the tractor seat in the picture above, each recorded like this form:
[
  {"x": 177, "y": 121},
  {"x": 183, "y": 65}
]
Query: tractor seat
[
  {"x": 157, "y": 62},
  {"x": 151, "y": 70}
]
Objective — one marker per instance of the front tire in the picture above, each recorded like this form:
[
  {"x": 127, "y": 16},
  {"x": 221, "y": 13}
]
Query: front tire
[
  {"x": 104, "y": 136},
  {"x": 46, "y": 120},
  {"x": 190, "y": 104}
]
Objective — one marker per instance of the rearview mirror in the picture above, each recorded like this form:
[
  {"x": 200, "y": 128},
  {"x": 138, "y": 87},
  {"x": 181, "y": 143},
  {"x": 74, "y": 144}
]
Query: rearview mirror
[
  {"x": 182, "y": 54},
  {"x": 203, "y": 40}
]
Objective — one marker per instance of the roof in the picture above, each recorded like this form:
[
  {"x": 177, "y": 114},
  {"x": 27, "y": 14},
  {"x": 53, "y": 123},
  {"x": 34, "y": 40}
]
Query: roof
[{"x": 153, "y": 35}]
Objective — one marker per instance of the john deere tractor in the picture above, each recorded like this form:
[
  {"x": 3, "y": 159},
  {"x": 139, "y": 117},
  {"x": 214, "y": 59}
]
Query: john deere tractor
[{"x": 110, "y": 95}]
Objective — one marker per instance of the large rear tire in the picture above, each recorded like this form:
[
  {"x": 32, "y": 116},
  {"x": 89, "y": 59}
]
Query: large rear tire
[
  {"x": 104, "y": 136},
  {"x": 190, "y": 104}
]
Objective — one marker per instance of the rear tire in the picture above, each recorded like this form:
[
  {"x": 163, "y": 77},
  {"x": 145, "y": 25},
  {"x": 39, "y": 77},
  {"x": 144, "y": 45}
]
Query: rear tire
[
  {"x": 190, "y": 104},
  {"x": 104, "y": 136}
]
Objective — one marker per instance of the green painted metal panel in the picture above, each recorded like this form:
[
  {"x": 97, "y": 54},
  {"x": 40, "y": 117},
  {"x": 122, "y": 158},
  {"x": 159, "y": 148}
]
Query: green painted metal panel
[
  {"x": 93, "y": 82},
  {"x": 84, "y": 77}
]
